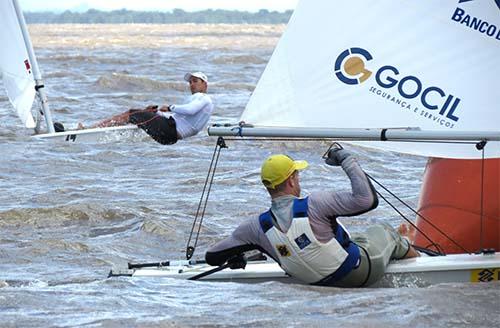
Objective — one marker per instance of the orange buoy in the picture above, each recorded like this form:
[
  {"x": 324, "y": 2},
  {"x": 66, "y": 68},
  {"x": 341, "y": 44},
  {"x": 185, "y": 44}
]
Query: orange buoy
[{"x": 461, "y": 198}]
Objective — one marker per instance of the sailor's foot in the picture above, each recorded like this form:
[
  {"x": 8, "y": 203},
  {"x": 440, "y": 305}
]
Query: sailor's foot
[
  {"x": 408, "y": 233},
  {"x": 403, "y": 229}
]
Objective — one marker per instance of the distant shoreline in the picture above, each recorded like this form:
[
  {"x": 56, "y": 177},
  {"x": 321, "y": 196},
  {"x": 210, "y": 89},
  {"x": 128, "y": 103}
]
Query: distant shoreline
[{"x": 176, "y": 16}]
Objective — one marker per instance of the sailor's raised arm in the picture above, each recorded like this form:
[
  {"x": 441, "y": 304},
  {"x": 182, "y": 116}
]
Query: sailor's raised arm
[{"x": 362, "y": 197}]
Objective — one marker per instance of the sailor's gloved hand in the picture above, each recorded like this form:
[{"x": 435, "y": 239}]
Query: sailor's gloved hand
[
  {"x": 237, "y": 262},
  {"x": 336, "y": 156}
]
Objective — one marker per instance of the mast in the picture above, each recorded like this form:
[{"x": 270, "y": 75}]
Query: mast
[{"x": 39, "y": 86}]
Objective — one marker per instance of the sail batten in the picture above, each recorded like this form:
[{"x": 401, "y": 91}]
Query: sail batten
[{"x": 369, "y": 64}]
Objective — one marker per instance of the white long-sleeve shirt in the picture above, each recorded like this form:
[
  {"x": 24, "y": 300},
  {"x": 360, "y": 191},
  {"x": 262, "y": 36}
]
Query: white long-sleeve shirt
[{"x": 192, "y": 117}]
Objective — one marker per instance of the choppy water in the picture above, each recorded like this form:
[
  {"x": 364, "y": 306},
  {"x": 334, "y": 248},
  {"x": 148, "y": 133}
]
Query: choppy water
[{"x": 71, "y": 212}]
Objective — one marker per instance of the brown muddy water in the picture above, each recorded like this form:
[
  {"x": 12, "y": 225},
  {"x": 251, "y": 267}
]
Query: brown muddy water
[{"x": 71, "y": 212}]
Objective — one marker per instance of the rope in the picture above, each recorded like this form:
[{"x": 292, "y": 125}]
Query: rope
[
  {"x": 418, "y": 214},
  {"x": 436, "y": 246},
  {"x": 202, "y": 205},
  {"x": 146, "y": 121}
]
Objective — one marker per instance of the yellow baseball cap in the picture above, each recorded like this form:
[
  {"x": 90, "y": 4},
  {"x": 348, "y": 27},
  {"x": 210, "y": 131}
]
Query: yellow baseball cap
[{"x": 277, "y": 168}]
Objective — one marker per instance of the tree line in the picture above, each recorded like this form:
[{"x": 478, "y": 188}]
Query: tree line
[{"x": 177, "y": 16}]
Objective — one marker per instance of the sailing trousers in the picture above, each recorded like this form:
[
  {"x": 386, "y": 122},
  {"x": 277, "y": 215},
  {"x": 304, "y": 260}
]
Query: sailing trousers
[
  {"x": 378, "y": 245},
  {"x": 160, "y": 128}
]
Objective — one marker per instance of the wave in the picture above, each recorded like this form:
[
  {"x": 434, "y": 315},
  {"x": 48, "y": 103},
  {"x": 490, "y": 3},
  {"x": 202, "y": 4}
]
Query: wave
[
  {"x": 240, "y": 59},
  {"x": 9, "y": 133},
  {"x": 62, "y": 215},
  {"x": 62, "y": 74},
  {"x": 90, "y": 59},
  {"x": 119, "y": 81},
  {"x": 219, "y": 87}
]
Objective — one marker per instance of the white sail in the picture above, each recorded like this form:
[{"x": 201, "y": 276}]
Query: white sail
[
  {"x": 430, "y": 65},
  {"x": 15, "y": 66}
]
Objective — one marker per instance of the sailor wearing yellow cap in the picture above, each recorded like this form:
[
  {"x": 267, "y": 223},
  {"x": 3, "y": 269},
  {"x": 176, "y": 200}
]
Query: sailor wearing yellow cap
[{"x": 303, "y": 234}]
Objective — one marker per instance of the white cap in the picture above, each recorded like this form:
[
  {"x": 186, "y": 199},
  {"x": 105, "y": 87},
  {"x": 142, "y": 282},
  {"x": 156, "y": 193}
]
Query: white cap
[{"x": 199, "y": 75}]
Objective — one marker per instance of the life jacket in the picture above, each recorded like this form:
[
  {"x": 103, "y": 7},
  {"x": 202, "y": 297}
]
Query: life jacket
[{"x": 302, "y": 256}]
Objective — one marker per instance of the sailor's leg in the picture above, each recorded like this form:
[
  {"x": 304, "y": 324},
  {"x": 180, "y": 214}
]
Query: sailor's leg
[
  {"x": 393, "y": 239},
  {"x": 116, "y": 120},
  {"x": 378, "y": 245}
]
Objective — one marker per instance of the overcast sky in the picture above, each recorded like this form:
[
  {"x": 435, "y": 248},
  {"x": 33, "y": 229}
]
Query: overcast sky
[{"x": 163, "y": 5}]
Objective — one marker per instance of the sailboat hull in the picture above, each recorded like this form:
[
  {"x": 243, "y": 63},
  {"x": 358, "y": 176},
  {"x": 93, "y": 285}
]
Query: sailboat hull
[
  {"x": 92, "y": 135},
  {"x": 416, "y": 272}
]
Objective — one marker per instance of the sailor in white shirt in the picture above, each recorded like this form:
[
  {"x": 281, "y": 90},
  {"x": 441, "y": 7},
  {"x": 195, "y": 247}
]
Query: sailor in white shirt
[
  {"x": 170, "y": 123},
  {"x": 193, "y": 116}
]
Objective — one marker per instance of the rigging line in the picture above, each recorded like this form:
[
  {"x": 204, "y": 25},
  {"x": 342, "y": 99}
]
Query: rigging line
[
  {"x": 211, "y": 172},
  {"x": 189, "y": 249},
  {"x": 148, "y": 120},
  {"x": 145, "y": 111},
  {"x": 438, "y": 248},
  {"x": 206, "y": 199},
  {"x": 419, "y": 215}
]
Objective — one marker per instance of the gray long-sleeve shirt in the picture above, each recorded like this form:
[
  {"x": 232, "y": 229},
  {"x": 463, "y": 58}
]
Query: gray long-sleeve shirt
[{"x": 323, "y": 209}]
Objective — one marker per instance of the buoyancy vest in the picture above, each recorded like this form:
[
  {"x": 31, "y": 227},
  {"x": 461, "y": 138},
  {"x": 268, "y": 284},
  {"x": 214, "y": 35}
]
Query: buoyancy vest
[{"x": 302, "y": 256}]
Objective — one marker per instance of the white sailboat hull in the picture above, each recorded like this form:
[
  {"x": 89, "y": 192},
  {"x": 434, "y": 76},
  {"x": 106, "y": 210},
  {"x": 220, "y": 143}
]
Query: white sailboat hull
[
  {"x": 417, "y": 272},
  {"x": 96, "y": 134}
]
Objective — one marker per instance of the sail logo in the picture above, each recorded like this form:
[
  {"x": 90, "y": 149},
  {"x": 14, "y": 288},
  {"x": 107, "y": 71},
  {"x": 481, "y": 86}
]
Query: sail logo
[
  {"x": 350, "y": 66},
  {"x": 433, "y": 102},
  {"x": 462, "y": 17}
]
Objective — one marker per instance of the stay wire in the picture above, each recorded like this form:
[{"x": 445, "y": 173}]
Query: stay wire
[
  {"x": 204, "y": 200},
  {"x": 418, "y": 214}
]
